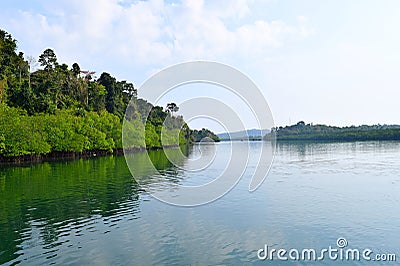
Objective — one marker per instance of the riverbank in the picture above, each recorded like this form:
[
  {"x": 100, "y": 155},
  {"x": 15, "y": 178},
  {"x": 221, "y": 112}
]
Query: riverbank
[
  {"x": 61, "y": 156},
  {"x": 57, "y": 156}
]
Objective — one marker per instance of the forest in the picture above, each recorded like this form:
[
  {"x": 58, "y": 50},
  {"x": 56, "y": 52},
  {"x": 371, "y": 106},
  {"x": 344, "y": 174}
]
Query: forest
[
  {"x": 198, "y": 135},
  {"x": 303, "y": 131},
  {"x": 48, "y": 107}
]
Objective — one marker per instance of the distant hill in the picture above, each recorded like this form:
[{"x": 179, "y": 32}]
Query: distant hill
[{"x": 252, "y": 134}]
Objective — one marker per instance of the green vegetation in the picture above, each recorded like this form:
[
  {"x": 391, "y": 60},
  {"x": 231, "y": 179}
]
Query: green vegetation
[
  {"x": 59, "y": 109},
  {"x": 198, "y": 135},
  {"x": 302, "y": 131}
]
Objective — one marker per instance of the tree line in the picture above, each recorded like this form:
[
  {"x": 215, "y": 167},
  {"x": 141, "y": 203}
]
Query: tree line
[
  {"x": 303, "y": 131},
  {"x": 57, "y": 108},
  {"x": 203, "y": 134}
]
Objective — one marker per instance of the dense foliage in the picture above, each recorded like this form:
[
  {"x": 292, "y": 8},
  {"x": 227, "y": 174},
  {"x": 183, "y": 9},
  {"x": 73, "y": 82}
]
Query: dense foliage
[
  {"x": 302, "y": 131},
  {"x": 198, "y": 135},
  {"x": 65, "y": 109}
]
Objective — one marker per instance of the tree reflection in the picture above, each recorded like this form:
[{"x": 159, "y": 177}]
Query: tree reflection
[{"x": 57, "y": 197}]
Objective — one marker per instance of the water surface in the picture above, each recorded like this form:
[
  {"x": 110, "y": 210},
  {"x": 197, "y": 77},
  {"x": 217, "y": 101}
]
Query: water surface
[{"x": 91, "y": 211}]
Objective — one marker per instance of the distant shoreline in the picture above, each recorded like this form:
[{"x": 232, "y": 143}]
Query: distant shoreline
[{"x": 310, "y": 132}]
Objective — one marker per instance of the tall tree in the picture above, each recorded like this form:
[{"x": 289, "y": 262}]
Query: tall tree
[
  {"x": 48, "y": 59},
  {"x": 8, "y": 45},
  {"x": 8, "y": 68},
  {"x": 114, "y": 92},
  {"x": 76, "y": 69},
  {"x": 172, "y": 108}
]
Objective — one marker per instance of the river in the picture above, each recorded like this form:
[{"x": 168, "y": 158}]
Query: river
[{"x": 91, "y": 211}]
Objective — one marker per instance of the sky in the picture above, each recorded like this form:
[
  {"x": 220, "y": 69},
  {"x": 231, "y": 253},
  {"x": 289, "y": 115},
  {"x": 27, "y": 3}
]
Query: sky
[{"x": 332, "y": 62}]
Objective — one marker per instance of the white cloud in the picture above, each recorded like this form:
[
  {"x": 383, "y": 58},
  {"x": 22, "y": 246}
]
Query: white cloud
[
  {"x": 152, "y": 32},
  {"x": 351, "y": 59}
]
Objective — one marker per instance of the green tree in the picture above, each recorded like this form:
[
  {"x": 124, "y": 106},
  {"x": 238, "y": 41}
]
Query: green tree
[
  {"x": 48, "y": 59},
  {"x": 13, "y": 67},
  {"x": 157, "y": 116},
  {"x": 198, "y": 135},
  {"x": 76, "y": 69},
  {"x": 97, "y": 96},
  {"x": 172, "y": 108},
  {"x": 8, "y": 45},
  {"x": 114, "y": 93}
]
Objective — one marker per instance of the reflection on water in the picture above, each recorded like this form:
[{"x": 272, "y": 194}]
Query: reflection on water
[
  {"x": 93, "y": 212},
  {"x": 42, "y": 203},
  {"x": 378, "y": 158},
  {"x": 43, "y": 206}
]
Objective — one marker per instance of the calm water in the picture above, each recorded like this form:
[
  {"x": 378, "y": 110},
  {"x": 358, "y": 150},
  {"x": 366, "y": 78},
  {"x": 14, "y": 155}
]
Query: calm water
[{"x": 93, "y": 212}]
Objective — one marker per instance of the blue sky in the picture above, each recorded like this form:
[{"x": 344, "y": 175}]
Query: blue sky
[{"x": 333, "y": 62}]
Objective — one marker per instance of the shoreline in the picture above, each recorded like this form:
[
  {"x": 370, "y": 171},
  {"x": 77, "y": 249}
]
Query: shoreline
[
  {"x": 329, "y": 139},
  {"x": 70, "y": 155}
]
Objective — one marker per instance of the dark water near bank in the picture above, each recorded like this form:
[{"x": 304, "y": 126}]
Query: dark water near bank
[{"x": 91, "y": 211}]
